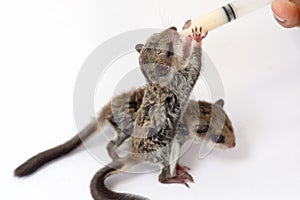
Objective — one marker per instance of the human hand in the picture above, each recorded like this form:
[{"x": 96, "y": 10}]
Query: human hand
[{"x": 287, "y": 12}]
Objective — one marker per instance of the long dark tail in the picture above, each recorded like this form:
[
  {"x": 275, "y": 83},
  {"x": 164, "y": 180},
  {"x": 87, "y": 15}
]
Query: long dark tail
[
  {"x": 40, "y": 159},
  {"x": 101, "y": 192}
]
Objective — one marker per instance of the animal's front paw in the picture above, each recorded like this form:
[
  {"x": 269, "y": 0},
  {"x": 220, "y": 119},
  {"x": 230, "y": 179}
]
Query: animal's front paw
[{"x": 198, "y": 35}]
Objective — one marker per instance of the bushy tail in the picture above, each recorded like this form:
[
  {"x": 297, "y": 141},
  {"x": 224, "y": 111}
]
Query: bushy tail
[
  {"x": 101, "y": 192},
  {"x": 42, "y": 158}
]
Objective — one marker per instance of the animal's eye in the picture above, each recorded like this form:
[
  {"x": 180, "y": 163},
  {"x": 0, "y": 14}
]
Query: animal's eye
[
  {"x": 218, "y": 138},
  {"x": 169, "y": 54},
  {"x": 221, "y": 139}
]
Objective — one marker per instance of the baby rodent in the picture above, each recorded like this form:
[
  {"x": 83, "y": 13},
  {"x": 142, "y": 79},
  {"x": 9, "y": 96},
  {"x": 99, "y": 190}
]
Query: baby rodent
[
  {"x": 120, "y": 112},
  {"x": 191, "y": 122},
  {"x": 172, "y": 67}
]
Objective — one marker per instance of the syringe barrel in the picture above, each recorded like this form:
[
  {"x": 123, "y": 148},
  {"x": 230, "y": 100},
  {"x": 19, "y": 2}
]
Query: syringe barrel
[
  {"x": 243, "y": 7},
  {"x": 226, "y": 14}
]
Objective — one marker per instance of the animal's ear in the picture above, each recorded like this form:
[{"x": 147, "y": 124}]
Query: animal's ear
[
  {"x": 202, "y": 129},
  {"x": 173, "y": 28},
  {"x": 139, "y": 47},
  {"x": 220, "y": 102}
]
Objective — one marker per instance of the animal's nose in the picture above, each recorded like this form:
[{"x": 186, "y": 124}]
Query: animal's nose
[{"x": 231, "y": 145}]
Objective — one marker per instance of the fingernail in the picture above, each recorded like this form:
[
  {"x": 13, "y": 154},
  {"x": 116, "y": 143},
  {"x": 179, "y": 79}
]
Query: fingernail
[{"x": 282, "y": 20}]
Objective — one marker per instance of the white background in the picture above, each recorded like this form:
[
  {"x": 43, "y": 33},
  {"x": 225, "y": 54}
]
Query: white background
[{"x": 43, "y": 45}]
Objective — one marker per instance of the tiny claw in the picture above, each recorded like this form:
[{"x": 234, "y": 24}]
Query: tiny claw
[
  {"x": 200, "y": 29},
  {"x": 187, "y": 185},
  {"x": 191, "y": 178},
  {"x": 205, "y": 34}
]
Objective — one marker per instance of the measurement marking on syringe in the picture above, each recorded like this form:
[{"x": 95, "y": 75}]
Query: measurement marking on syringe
[{"x": 229, "y": 12}]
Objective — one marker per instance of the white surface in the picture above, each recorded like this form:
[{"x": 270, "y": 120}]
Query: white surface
[{"x": 44, "y": 43}]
